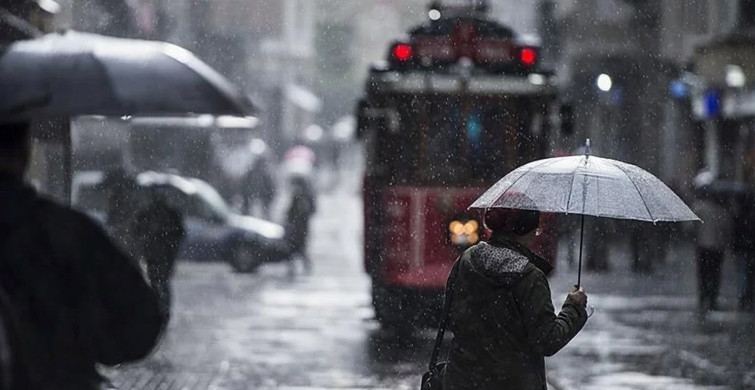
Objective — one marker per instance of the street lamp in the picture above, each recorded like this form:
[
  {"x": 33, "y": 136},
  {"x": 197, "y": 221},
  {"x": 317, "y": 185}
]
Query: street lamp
[
  {"x": 604, "y": 82},
  {"x": 735, "y": 76}
]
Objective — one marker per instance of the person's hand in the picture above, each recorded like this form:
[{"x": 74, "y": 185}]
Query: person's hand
[{"x": 578, "y": 296}]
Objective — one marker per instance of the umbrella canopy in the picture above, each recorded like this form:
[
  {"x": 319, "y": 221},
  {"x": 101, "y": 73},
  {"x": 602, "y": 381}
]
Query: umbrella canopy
[
  {"x": 587, "y": 185},
  {"x": 75, "y": 73}
]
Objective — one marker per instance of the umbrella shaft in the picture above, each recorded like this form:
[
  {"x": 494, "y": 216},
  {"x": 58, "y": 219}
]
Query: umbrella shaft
[{"x": 581, "y": 238}]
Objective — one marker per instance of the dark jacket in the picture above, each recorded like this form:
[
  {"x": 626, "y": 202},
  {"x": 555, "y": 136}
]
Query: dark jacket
[
  {"x": 503, "y": 320},
  {"x": 77, "y": 299}
]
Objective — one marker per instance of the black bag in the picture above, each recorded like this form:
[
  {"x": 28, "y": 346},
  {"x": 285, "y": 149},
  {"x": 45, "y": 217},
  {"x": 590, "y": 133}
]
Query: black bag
[{"x": 433, "y": 378}]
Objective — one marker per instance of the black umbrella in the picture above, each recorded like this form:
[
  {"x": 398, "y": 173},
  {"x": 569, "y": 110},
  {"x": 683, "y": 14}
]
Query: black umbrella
[{"x": 72, "y": 73}]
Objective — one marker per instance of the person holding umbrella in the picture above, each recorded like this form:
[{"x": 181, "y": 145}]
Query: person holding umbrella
[
  {"x": 503, "y": 321},
  {"x": 502, "y": 316}
]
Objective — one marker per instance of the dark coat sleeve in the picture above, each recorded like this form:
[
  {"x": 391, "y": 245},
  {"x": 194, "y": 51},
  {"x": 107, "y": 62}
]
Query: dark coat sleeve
[
  {"x": 125, "y": 317},
  {"x": 547, "y": 332}
]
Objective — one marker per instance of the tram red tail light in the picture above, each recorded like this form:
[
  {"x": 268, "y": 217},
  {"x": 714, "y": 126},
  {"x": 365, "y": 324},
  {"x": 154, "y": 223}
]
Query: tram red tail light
[
  {"x": 497, "y": 54},
  {"x": 528, "y": 56},
  {"x": 402, "y": 52}
]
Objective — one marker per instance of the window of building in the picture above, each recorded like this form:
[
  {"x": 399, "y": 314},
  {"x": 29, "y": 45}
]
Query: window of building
[{"x": 747, "y": 13}]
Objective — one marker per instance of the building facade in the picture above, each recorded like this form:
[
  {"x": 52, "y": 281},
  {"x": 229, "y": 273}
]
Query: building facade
[{"x": 723, "y": 92}]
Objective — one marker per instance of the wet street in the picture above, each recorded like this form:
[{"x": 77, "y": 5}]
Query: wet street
[
  {"x": 273, "y": 330},
  {"x": 636, "y": 115}
]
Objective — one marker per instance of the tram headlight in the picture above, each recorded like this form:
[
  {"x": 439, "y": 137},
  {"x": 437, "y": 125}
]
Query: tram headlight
[
  {"x": 464, "y": 233},
  {"x": 471, "y": 227},
  {"x": 456, "y": 228}
]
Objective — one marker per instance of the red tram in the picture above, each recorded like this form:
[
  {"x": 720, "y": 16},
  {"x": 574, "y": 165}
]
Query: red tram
[{"x": 455, "y": 107}]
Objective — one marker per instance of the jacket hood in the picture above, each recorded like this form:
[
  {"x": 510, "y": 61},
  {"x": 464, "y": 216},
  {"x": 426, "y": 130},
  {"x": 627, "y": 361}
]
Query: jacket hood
[
  {"x": 536, "y": 260},
  {"x": 498, "y": 260},
  {"x": 494, "y": 267},
  {"x": 503, "y": 263}
]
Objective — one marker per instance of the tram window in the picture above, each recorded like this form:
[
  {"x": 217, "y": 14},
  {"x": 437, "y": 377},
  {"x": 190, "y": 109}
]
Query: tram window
[
  {"x": 448, "y": 141},
  {"x": 440, "y": 158}
]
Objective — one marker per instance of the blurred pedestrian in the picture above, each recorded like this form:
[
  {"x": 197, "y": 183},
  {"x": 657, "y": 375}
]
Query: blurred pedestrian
[
  {"x": 77, "y": 299},
  {"x": 598, "y": 235},
  {"x": 744, "y": 245},
  {"x": 501, "y": 315},
  {"x": 258, "y": 188},
  {"x": 747, "y": 284},
  {"x": 647, "y": 244},
  {"x": 568, "y": 229},
  {"x": 300, "y": 211},
  {"x": 713, "y": 236},
  {"x": 160, "y": 230}
]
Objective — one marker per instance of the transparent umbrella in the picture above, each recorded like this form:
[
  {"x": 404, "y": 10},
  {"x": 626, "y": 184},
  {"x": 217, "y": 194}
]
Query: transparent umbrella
[{"x": 587, "y": 185}]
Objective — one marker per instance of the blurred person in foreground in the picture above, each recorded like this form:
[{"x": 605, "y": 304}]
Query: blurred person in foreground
[
  {"x": 160, "y": 229},
  {"x": 300, "y": 211},
  {"x": 501, "y": 314},
  {"x": 78, "y": 300}
]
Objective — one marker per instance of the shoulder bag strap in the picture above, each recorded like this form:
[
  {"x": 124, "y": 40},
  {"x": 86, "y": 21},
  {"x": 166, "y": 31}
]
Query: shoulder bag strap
[{"x": 446, "y": 313}]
